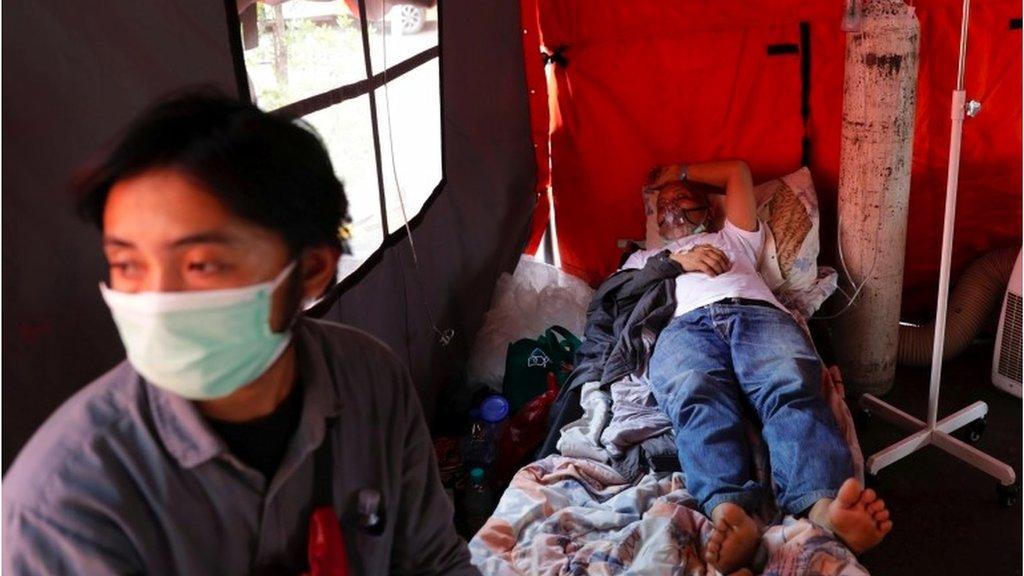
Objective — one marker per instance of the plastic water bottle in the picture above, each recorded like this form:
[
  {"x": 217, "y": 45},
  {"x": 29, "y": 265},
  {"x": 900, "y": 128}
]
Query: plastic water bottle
[
  {"x": 474, "y": 444},
  {"x": 478, "y": 501},
  {"x": 481, "y": 445}
]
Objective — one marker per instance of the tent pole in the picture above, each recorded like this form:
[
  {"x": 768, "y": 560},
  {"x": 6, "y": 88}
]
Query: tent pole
[
  {"x": 551, "y": 234},
  {"x": 934, "y": 432}
]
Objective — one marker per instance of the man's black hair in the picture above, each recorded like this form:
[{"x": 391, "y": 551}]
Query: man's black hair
[{"x": 265, "y": 168}]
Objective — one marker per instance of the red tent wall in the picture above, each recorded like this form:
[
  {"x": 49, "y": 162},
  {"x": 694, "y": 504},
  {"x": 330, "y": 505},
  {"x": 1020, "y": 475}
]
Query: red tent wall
[
  {"x": 989, "y": 193},
  {"x": 649, "y": 82}
]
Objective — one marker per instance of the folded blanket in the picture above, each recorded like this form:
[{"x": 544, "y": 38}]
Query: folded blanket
[
  {"x": 623, "y": 427},
  {"x": 582, "y": 438},
  {"x": 623, "y": 319},
  {"x": 636, "y": 417}
]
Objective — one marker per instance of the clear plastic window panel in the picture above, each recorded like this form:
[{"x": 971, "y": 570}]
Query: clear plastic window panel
[
  {"x": 406, "y": 28},
  {"x": 409, "y": 118},
  {"x": 303, "y": 48},
  {"x": 347, "y": 133}
]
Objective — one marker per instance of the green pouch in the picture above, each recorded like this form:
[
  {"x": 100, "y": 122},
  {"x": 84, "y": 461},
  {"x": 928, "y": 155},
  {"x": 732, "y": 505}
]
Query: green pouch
[{"x": 528, "y": 362}]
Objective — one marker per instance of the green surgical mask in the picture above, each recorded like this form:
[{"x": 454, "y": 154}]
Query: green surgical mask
[{"x": 203, "y": 344}]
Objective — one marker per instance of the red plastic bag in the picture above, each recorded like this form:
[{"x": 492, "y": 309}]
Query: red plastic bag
[{"x": 525, "y": 432}]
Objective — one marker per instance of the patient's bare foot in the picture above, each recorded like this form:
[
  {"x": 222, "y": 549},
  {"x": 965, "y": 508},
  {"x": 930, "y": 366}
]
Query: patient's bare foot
[
  {"x": 734, "y": 541},
  {"x": 857, "y": 516}
]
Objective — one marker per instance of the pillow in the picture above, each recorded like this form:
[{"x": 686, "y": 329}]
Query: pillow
[
  {"x": 789, "y": 262},
  {"x": 788, "y": 207}
]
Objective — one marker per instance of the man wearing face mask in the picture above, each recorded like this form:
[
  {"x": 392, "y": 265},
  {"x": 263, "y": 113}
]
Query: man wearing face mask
[{"x": 239, "y": 437}]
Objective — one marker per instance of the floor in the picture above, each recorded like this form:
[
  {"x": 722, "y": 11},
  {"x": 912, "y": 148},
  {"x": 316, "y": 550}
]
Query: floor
[{"x": 947, "y": 517}]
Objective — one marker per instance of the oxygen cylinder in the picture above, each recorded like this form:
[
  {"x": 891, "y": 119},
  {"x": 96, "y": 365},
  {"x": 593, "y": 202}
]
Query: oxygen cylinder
[{"x": 879, "y": 98}]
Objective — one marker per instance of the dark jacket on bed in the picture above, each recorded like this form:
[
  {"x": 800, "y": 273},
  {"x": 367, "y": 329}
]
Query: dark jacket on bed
[{"x": 623, "y": 321}]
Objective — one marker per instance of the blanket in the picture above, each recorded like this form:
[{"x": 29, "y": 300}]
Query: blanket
[{"x": 568, "y": 516}]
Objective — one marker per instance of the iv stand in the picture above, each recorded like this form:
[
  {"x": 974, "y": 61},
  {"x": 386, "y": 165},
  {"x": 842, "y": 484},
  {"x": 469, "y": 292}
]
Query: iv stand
[{"x": 938, "y": 433}]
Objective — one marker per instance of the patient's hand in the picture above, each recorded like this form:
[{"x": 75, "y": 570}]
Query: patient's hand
[{"x": 703, "y": 258}]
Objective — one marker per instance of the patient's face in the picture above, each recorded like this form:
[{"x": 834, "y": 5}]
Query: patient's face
[{"x": 680, "y": 211}]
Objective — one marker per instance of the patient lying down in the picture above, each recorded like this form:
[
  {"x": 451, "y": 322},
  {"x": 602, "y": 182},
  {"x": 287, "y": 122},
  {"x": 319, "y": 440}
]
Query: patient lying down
[{"x": 729, "y": 345}]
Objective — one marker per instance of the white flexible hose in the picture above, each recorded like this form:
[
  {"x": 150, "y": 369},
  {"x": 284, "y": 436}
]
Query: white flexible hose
[{"x": 974, "y": 299}]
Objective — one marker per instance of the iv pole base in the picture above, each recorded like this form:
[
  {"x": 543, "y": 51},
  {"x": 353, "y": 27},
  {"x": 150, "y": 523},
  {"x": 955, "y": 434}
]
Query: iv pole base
[{"x": 939, "y": 436}]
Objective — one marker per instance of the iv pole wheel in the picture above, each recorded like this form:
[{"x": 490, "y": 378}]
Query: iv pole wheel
[
  {"x": 862, "y": 418},
  {"x": 973, "y": 432},
  {"x": 1008, "y": 494}
]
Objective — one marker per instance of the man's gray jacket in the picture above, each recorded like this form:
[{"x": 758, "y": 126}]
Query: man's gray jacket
[{"x": 126, "y": 478}]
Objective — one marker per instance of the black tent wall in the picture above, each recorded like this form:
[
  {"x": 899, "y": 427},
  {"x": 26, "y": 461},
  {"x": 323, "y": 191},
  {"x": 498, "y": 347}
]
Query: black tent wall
[
  {"x": 75, "y": 73},
  {"x": 477, "y": 224}
]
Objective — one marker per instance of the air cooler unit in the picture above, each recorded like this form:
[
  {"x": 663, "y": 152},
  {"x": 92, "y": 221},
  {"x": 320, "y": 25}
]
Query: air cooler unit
[{"x": 1006, "y": 365}]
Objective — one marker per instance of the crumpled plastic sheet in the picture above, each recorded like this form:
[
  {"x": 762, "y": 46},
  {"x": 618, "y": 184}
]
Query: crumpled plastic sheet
[{"x": 525, "y": 303}]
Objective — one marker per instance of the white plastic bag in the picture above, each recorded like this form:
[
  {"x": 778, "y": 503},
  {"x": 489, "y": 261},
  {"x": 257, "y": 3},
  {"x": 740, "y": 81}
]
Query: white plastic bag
[{"x": 525, "y": 303}]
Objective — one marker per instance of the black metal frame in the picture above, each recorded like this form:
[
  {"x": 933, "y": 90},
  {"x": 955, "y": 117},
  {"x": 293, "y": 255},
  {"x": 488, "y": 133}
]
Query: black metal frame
[{"x": 237, "y": 53}]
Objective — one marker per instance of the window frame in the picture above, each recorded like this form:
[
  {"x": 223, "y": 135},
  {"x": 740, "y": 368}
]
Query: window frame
[{"x": 367, "y": 86}]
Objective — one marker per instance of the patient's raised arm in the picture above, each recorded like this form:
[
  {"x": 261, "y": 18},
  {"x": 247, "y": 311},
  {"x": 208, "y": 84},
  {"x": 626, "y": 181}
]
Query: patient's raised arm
[{"x": 734, "y": 177}]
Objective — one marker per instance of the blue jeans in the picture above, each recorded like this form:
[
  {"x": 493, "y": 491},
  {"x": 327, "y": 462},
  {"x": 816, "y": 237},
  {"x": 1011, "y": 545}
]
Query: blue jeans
[{"x": 711, "y": 362}]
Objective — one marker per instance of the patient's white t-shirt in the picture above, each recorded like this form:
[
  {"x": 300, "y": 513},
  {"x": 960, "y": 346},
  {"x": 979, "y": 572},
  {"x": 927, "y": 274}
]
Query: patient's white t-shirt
[{"x": 696, "y": 289}]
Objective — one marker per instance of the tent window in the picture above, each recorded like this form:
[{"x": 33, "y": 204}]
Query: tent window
[
  {"x": 303, "y": 49},
  {"x": 348, "y": 135},
  {"x": 306, "y": 58},
  {"x": 413, "y": 129},
  {"x": 386, "y": 50}
]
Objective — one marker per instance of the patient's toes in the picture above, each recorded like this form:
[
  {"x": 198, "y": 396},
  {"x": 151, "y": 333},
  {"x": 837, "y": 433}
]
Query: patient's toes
[
  {"x": 868, "y": 496},
  {"x": 849, "y": 493},
  {"x": 860, "y": 526},
  {"x": 714, "y": 545}
]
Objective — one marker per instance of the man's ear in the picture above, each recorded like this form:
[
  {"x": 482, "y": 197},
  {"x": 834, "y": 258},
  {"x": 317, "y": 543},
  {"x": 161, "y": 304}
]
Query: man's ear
[{"x": 318, "y": 267}]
